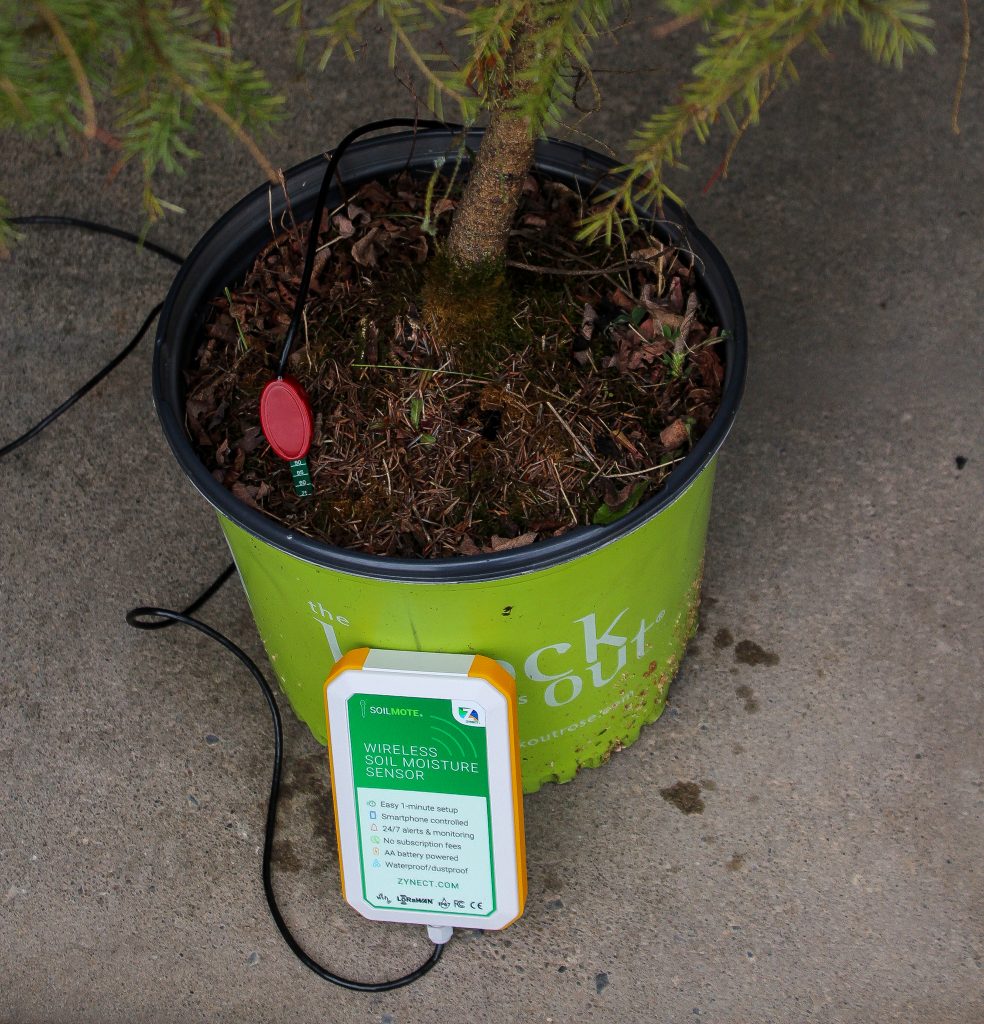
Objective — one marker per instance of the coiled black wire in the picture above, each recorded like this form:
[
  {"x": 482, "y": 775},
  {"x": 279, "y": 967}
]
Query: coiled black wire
[
  {"x": 141, "y": 618},
  {"x": 150, "y": 618}
]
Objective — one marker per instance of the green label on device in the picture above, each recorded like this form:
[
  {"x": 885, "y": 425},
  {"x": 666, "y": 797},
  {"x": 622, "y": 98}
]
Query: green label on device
[{"x": 420, "y": 768}]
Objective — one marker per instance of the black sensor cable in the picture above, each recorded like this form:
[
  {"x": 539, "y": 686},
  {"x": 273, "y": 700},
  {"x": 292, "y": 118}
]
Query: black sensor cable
[
  {"x": 99, "y": 229},
  {"x": 143, "y": 618},
  {"x": 159, "y": 250},
  {"x": 60, "y": 221},
  {"x": 150, "y": 618},
  {"x": 319, "y": 209}
]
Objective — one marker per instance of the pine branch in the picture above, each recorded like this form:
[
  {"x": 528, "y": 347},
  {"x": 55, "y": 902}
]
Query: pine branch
[
  {"x": 406, "y": 19},
  {"x": 747, "y": 56},
  {"x": 136, "y": 74},
  {"x": 563, "y": 31},
  {"x": 65, "y": 45},
  {"x": 700, "y": 12},
  {"x": 962, "y": 73},
  {"x": 131, "y": 74}
]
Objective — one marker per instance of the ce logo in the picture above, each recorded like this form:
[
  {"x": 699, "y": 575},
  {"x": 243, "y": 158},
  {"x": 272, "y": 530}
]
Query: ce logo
[{"x": 475, "y": 904}]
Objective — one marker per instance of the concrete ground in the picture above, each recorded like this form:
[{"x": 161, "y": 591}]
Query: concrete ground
[{"x": 834, "y": 874}]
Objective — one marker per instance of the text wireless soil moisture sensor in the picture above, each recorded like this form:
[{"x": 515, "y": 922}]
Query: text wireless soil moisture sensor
[{"x": 425, "y": 772}]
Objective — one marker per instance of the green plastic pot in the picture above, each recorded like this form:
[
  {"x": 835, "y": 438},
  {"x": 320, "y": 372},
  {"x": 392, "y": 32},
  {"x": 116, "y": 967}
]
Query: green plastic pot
[{"x": 592, "y": 624}]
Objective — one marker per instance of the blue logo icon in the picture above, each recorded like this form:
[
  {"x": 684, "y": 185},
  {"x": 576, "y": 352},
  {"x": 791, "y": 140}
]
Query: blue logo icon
[{"x": 469, "y": 714}]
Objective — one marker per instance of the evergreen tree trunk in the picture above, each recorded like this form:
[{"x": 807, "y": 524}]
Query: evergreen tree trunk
[
  {"x": 481, "y": 224},
  {"x": 485, "y": 214},
  {"x": 467, "y": 304}
]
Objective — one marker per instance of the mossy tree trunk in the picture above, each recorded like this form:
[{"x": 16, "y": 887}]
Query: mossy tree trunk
[
  {"x": 482, "y": 221},
  {"x": 466, "y": 299},
  {"x": 487, "y": 209}
]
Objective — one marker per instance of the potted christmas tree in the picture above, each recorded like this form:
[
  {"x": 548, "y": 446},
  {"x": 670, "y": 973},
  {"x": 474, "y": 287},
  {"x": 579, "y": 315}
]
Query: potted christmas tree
[{"x": 506, "y": 363}]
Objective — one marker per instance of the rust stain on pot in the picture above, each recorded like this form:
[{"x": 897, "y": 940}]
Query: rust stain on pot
[
  {"x": 692, "y": 610},
  {"x": 685, "y": 796},
  {"x": 750, "y": 653}
]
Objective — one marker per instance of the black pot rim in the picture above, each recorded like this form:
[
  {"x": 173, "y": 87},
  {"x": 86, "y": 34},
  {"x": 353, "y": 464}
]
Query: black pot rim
[{"x": 230, "y": 245}]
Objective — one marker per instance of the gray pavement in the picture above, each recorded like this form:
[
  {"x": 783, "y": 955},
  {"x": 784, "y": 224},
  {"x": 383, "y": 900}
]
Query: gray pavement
[{"x": 834, "y": 874}]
